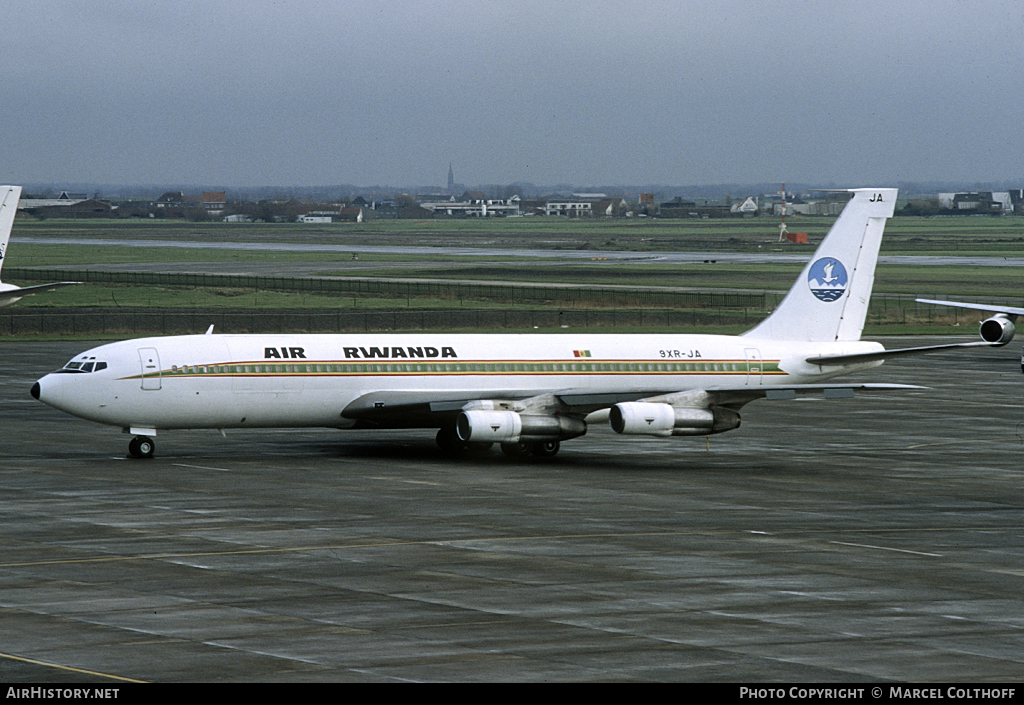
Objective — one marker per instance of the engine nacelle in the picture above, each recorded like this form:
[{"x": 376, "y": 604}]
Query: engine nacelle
[
  {"x": 997, "y": 330},
  {"x": 645, "y": 418},
  {"x": 480, "y": 426}
]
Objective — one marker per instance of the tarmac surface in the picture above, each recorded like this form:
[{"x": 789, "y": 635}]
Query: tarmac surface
[{"x": 869, "y": 539}]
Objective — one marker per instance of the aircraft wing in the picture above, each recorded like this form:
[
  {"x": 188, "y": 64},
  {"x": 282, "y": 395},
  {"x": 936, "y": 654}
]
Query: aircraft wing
[
  {"x": 1008, "y": 310},
  {"x": 410, "y": 407},
  {"x": 13, "y": 295},
  {"x": 415, "y": 408},
  {"x": 731, "y": 397}
]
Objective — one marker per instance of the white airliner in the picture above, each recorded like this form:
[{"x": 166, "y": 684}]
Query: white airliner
[
  {"x": 9, "y": 196},
  {"x": 527, "y": 392}
]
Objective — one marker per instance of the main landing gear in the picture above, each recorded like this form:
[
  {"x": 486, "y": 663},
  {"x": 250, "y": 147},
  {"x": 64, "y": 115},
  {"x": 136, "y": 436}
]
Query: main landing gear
[
  {"x": 541, "y": 449},
  {"x": 141, "y": 447},
  {"x": 448, "y": 441}
]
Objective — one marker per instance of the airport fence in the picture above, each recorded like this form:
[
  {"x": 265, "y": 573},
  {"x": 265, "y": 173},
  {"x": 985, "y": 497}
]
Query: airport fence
[
  {"x": 536, "y": 306},
  {"x": 570, "y": 295},
  {"x": 84, "y": 321},
  {"x": 110, "y": 321}
]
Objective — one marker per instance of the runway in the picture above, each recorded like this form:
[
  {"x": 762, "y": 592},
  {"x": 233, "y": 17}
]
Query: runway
[
  {"x": 878, "y": 538},
  {"x": 557, "y": 256}
]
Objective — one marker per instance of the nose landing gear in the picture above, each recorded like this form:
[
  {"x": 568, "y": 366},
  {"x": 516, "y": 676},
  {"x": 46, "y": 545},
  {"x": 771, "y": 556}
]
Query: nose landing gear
[{"x": 141, "y": 447}]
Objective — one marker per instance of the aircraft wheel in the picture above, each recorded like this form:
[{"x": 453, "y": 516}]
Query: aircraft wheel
[
  {"x": 448, "y": 441},
  {"x": 545, "y": 449},
  {"x": 515, "y": 450},
  {"x": 141, "y": 447}
]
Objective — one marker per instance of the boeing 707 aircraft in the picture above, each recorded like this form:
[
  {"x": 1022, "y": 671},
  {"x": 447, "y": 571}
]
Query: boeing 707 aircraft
[
  {"x": 9, "y": 197},
  {"x": 528, "y": 392}
]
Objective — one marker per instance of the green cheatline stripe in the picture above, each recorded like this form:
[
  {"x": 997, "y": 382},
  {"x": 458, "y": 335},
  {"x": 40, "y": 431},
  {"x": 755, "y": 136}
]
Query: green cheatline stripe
[{"x": 517, "y": 368}]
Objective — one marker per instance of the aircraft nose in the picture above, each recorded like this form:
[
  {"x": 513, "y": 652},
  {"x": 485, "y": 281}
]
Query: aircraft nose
[{"x": 46, "y": 391}]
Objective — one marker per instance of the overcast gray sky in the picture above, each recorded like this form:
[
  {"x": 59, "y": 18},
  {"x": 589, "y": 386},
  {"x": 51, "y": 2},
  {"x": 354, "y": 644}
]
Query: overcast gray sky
[{"x": 313, "y": 92}]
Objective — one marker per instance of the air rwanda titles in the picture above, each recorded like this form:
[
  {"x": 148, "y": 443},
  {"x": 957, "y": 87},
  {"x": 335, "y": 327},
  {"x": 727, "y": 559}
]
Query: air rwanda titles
[{"x": 363, "y": 353}]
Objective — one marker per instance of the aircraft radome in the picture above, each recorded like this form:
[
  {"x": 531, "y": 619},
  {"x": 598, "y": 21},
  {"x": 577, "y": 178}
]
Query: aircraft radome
[
  {"x": 528, "y": 392},
  {"x": 9, "y": 196}
]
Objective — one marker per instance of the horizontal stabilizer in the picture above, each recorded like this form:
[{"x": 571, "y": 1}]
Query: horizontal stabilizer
[{"x": 886, "y": 354}]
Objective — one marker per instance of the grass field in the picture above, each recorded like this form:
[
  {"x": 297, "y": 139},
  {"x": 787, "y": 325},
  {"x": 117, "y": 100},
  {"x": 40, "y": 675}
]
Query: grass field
[
  {"x": 993, "y": 236},
  {"x": 978, "y": 236}
]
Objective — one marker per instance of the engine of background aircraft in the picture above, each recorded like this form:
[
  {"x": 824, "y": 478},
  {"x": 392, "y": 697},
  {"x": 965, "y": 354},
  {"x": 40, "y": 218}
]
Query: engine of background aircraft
[{"x": 997, "y": 330}]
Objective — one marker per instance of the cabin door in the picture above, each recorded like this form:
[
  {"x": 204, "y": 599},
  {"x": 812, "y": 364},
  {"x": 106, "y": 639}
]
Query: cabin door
[
  {"x": 753, "y": 366},
  {"x": 150, "y": 361}
]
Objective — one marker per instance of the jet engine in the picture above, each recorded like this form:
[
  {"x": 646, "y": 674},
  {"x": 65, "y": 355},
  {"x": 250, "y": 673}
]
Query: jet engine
[
  {"x": 997, "y": 330},
  {"x": 637, "y": 417},
  {"x": 480, "y": 426}
]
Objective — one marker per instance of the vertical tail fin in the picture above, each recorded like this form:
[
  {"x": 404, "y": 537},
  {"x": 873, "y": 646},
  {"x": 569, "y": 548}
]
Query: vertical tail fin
[
  {"x": 9, "y": 196},
  {"x": 829, "y": 300}
]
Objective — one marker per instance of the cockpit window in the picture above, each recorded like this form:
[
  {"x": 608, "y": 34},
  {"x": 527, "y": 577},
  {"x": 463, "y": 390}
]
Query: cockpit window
[{"x": 84, "y": 365}]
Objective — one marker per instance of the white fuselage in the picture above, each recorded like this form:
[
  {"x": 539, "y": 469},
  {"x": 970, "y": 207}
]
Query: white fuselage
[{"x": 243, "y": 381}]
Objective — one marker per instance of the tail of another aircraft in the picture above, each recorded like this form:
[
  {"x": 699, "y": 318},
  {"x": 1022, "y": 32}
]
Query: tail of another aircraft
[
  {"x": 829, "y": 300},
  {"x": 9, "y": 196}
]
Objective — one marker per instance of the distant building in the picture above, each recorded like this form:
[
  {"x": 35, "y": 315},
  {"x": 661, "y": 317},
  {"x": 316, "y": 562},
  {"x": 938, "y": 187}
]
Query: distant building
[
  {"x": 351, "y": 215},
  {"x": 748, "y": 206},
  {"x": 215, "y": 202},
  {"x": 170, "y": 199},
  {"x": 990, "y": 202},
  {"x": 678, "y": 208},
  {"x": 572, "y": 207},
  {"x": 473, "y": 205},
  {"x": 88, "y": 208},
  {"x": 30, "y": 203}
]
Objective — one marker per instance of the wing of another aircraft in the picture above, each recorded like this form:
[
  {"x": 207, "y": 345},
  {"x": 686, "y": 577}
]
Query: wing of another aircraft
[
  {"x": 1008, "y": 310},
  {"x": 997, "y": 330},
  {"x": 9, "y": 296},
  {"x": 9, "y": 197}
]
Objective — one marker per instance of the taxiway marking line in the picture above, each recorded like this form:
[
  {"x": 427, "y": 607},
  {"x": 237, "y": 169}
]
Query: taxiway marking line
[
  {"x": 886, "y": 548},
  {"x": 36, "y": 662},
  {"x": 200, "y": 467}
]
